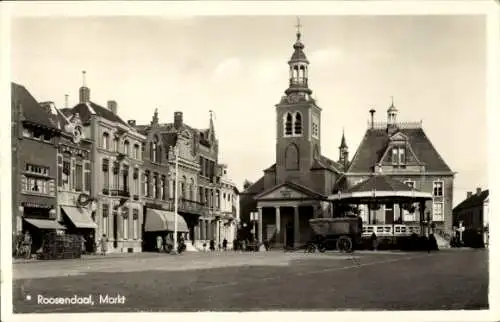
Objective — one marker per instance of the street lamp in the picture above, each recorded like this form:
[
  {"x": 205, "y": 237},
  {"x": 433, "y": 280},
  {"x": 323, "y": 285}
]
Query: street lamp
[{"x": 253, "y": 219}]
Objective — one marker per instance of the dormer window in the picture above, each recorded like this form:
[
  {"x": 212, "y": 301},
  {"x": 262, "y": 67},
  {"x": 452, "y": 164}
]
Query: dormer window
[{"x": 398, "y": 157}]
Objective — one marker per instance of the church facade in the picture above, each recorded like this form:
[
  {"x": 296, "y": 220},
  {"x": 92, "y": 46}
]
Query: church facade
[{"x": 297, "y": 186}]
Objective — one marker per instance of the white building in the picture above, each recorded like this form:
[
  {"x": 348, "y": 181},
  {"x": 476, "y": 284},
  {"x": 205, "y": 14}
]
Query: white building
[{"x": 229, "y": 207}]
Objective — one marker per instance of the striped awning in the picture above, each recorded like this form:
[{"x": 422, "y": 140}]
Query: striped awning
[
  {"x": 44, "y": 223},
  {"x": 161, "y": 220}
]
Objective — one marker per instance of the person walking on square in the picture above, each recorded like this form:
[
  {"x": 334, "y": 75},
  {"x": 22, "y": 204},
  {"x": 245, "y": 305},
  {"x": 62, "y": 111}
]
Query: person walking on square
[
  {"x": 212, "y": 245},
  {"x": 224, "y": 244},
  {"x": 83, "y": 243},
  {"x": 104, "y": 244},
  {"x": 27, "y": 242}
]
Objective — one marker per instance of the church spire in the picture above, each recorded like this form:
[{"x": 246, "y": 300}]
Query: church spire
[
  {"x": 211, "y": 126},
  {"x": 298, "y": 66},
  {"x": 343, "y": 151},
  {"x": 155, "y": 119}
]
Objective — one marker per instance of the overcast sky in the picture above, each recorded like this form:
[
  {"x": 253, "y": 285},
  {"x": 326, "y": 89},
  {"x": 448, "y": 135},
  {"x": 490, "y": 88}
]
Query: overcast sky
[{"x": 434, "y": 66}]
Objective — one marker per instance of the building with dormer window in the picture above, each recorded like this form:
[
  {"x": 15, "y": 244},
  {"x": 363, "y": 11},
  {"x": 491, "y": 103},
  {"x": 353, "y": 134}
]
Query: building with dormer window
[
  {"x": 116, "y": 162},
  {"x": 300, "y": 184},
  {"x": 35, "y": 138}
]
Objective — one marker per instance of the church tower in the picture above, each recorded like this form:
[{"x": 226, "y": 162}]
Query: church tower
[
  {"x": 298, "y": 120},
  {"x": 343, "y": 152}
]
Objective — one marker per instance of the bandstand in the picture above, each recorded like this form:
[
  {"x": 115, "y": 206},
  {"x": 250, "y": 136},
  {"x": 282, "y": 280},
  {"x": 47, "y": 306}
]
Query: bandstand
[{"x": 389, "y": 208}]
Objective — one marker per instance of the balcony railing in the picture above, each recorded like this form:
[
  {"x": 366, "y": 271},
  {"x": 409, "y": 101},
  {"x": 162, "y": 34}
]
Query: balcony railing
[
  {"x": 188, "y": 206},
  {"x": 387, "y": 230},
  {"x": 120, "y": 193}
]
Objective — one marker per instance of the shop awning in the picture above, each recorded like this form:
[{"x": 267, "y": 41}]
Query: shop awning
[
  {"x": 44, "y": 223},
  {"x": 80, "y": 217},
  {"x": 161, "y": 220}
]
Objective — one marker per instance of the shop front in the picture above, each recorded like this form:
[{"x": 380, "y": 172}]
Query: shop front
[{"x": 161, "y": 223}]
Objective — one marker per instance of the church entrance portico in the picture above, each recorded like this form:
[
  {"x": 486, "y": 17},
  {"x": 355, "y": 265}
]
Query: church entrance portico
[{"x": 284, "y": 223}]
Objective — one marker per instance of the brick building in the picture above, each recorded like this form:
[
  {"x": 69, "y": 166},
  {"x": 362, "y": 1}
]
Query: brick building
[
  {"x": 35, "y": 139},
  {"x": 116, "y": 162},
  {"x": 473, "y": 214},
  {"x": 297, "y": 186}
]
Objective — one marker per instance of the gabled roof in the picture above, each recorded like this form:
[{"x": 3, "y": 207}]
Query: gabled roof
[
  {"x": 86, "y": 110},
  {"x": 255, "y": 188},
  {"x": 327, "y": 164},
  {"x": 473, "y": 201},
  {"x": 380, "y": 183},
  {"x": 31, "y": 110},
  {"x": 375, "y": 142}
]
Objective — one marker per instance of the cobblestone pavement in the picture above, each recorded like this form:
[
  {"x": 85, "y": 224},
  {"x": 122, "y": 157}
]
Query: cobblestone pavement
[{"x": 259, "y": 281}]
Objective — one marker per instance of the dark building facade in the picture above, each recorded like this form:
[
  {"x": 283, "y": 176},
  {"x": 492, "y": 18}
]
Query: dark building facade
[
  {"x": 35, "y": 139},
  {"x": 296, "y": 188},
  {"x": 473, "y": 215}
]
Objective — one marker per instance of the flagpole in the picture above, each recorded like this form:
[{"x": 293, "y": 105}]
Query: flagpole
[{"x": 176, "y": 201}]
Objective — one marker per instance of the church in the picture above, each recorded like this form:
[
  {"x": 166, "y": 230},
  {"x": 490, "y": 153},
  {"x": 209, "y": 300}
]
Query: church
[{"x": 300, "y": 184}]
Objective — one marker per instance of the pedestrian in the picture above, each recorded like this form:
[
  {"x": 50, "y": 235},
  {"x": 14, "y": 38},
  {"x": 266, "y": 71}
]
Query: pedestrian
[
  {"x": 83, "y": 243},
  {"x": 212, "y": 245},
  {"x": 235, "y": 244},
  {"x": 374, "y": 241},
  {"x": 224, "y": 244},
  {"x": 104, "y": 244},
  {"x": 159, "y": 243},
  {"x": 27, "y": 243}
]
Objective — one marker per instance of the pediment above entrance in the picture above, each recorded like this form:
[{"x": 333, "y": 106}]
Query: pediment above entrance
[{"x": 287, "y": 191}]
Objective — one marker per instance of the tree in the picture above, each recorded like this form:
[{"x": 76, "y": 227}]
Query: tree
[{"x": 247, "y": 184}]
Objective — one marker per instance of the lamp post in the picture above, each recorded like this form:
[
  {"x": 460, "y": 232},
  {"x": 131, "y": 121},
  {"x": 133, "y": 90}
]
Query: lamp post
[{"x": 176, "y": 192}]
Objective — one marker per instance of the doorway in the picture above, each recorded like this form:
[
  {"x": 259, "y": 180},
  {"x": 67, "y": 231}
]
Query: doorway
[{"x": 289, "y": 235}]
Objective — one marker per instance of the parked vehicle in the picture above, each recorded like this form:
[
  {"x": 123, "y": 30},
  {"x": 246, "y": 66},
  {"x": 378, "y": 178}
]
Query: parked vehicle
[{"x": 341, "y": 233}]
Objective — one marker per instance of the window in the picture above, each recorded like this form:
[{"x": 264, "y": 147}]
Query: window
[
  {"x": 125, "y": 223},
  {"x": 79, "y": 176},
  {"x": 398, "y": 156},
  {"x": 136, "y": 181},
  {"x": 105, "y": 168},
  {"x": 86, "y": 178},
  {"x": 200, "y": 194},
  {"x": 36, "y": 185},
  {"x": 105, "y": 141},
  {"x": 115, "y": 144},
  {"x": 37, "y": 134},
  {"x": 116, "y": 177},
  {"x": 288, "y": 124},
  {"x": 162, "y": 188},
  {"x": 437, "y": 189},
  {"x": 135, "y": 223},
  {"x": 146, "y": 184},
  {"x": 155, "y": 186},
  {"x": 298, "y": 124},
  {"x": 105, "y": 216},
  {"x": 136, "y": 151},
  {"x": 192, "y": 190},
  {"x": 171, "y": 189},
  {"x": 47, "y": 138},
  {"x": 125, "y": 172},
  {"x": 126, "y": 148},
  {"x": 437, "y": 211},
  {"x": 410, "y": 184},
  {"x": 66, "y": 172},
  {"x": 35, "y": 169},
  {"x": 153, "y": 150}
]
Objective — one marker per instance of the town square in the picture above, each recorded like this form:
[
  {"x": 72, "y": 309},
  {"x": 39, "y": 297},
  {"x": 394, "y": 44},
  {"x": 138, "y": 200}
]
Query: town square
[{"x": 253, "y": 163}]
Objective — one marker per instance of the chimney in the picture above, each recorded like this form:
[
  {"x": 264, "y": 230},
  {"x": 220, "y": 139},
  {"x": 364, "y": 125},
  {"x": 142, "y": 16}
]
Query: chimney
[
  {"x": 66, "y": 101},
  {"x": 112, "y": 106},
  {"x": 478, "y": 190},
  {"x": 84, "y": 91},
  {"x": 372, "y": 112},
  {"x": 177, "y": 119},
  {"x": 131, "y": 123},
  {"x": 469, "y": 194}
]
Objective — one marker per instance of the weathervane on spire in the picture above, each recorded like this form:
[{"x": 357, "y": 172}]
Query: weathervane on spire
[{"x": 298, "y": 25}]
